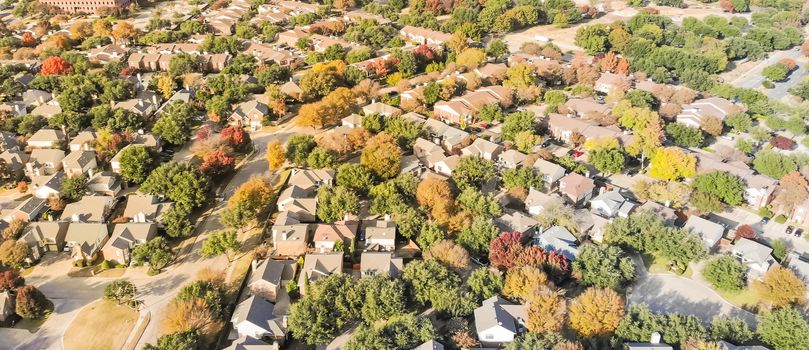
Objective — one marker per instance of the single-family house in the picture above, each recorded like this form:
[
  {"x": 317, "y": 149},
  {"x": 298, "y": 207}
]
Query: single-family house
[
  {"x": 430, "y": 345},
  {"x": 319, "y": 265},
  {"x": 423, "y": 149},
  {"x": 424, "y": 36},
  {"x": 311, "y": 180},
  {"x": 577, "y": 188},
  {"x": 537, "y": 201},
  {"x": 104, "y": 183},
  {"x": 7, "y": 306},
  {"x": 447, "y": 165},
  {"x": 609, "y": 81},
  {"x": 47, "y": 185},
  {"x": 558, "y": 239},
  {"x": 353, "y": 121},
  {"x": 45, "y": 236},
  {"x": 44, "y": 161},
  {"x": 756, "y": 256},
  {"x": 14, "y": 108},
  {"x": 15, "y": 162},
  {"x": 107, "y": 53},
  {"x": 290, "y": 240},
  {"x": 250, "y": 343},
  {"x": 511, "y": 159},
  {"x": 84, "y": 240},
  {"x": 516, "y": 221},
  {"x": 493, "y": 72},
  {"x": 292, "y": 90},
  {"x": 550, "y": 172},
  {"x": 382, "y": 109},
  {"x": 296, "y": 200},
  {"x": 653, "y": 344},
  {"x": 250, "y": 113},
  {"x": 83, "y": 141},
  {"x": 760, "y": 188},
  {"x": 258, "y": 318},
  {"x": 723, "y": 345},
  {"x": 35, "y": 97},
  {"x": 326, "y": 236},
  {"x": 483, "y": 148},
  {"x": 376, "y": 263},
  {"x": 612, "y": 204},
  {"x": 28, "y": 210},
  {"x": 708, "y": 231},
  {"x": 465, "y": 108},
  {"x": 498, "y": 322},
  {"x": 88, "y": 209},
  {"x": 694, "y": 114},
  {"x": 563, "y": 127},
  {"x": 586, "y": 107},
  {"x": 447, "y": 136},
  {"x": 146, "y": 208},
  {"x": 380, "y": 235},
  {"x": 79, "y": 163},
  {"x": 668, "y": 215},
  {"x": 125, "y": 237},
  {"x": 799, "y": 264},
  {"x": 269, "y": 278}
]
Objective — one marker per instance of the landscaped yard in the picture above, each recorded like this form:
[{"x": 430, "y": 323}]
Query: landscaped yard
[
  {"x": 659, "y": 264},
  {"x": 100, "y": 325},
  {"x": 745, "y": 299}
]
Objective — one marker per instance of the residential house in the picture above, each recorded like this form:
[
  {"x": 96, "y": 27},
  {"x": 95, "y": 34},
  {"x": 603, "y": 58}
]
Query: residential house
[
  {"x": 13, "y": 108},
  {"x": 269, "y": 278},
  {"x": 465, "y": 108},
  {"x": 759, "y": 189},
  {"x": 268, "y": 53},
  {"x": 427, "y": 151},
  {"x": 430, "y": 345},
  {"x": 586, "y": 107},
  {"x": 498, "y": 322},
  {"x": 424, "y": 36},
  {"x": 79, "y": 163},
  {"x": 296, "y": 200},
  {"x": 563, "y": 127},
  {"x": 290, "y": 240},
  {"x": 88, "y": 209},
  {"x": 107, "y": 53},
  {"x": 492, "y": 72},
  {"x": 15, "y": 162},
  {"x": 28, "y": 210},
  {"x": 578, "y": 189},
  {"x": 537, "y": 201},
  {"x": 83, "y": 141},
  {"x": 105, "y": 183},
  {"x": 292, "y": 89},
  {"x": 756, "y": 256},
  {"x": 45, "y": 236},
  {"x": 125, "y": 237},
  {"x": 558, "y": 239},
  {"x": 610, "y": 81},
  {"x": 8, "y": 142},
  {"x": 44, "y": 161},
  {"x": 7, "y": 307},
  {"x": 709, "y": 231},
  {"x": 382, "y": 109},
  {"x": 723, "y": 345},
  {"x": 250, "y": 343},
  {"x": 376, "y": 263},
  {"x": 327, "y": 235},
  {"x": 311, "y": 180},
  {"x": 694, "y": 114},
  {"x": 551, "y": 172},
  {"x": 182, "y": 96},
  {"x": 317, "y": 266},
  {"x": 511, "y": 159},
  {"x": 668, "y": 215},
  {"x": 84, "y": 240},
  {"x": 483, "y": 148},
  {"x": 258, "y": 318},
  {"x": 515, "y": 221},
  {"x": 447, "y": 165},
  {"x": 596, "y": 231},
  {"x": 47, "y": 138},
  {"x": 115, "y": 162},
  {"x": 47, "y": 110},
  {"x": 448, "y": 137},
  {"x": 612, "y": 204},
  {"x": 380, "y": 235},
  {"x": 653, "y": 344},
  {"x": 799, "y": 264},
  {"x": 47, "y": 185},
  {"x": 142, "y": 107},
  {"x": 147, "y": 140},
  {"x": 353, "y": 121},
  {"x": 35, "y": 98},
  {"x": 250, "y": 113}
]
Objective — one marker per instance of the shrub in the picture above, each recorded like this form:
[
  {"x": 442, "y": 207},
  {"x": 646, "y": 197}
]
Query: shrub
[
  {"x": 765, "y": 212},
  {"x": 106, "y": 265},
  {"x": 780, "y": 219},
  {"x": 767, "y": 84}
]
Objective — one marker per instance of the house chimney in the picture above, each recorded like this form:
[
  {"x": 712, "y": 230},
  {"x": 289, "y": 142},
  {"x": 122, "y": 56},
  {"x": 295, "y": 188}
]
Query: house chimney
[
  {"x": 154, "y": 99},
  {"x": 655, "y": 338},
  {"x": 140, "y": 217},
  {"x": 387, "y": 217},
  {"x": 285, "y": 235},
  {"x": 74, "y": 218}
]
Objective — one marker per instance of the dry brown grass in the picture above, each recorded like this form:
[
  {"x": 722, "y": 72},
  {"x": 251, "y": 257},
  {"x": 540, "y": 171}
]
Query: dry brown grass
[{"x": 100, "y": 325}]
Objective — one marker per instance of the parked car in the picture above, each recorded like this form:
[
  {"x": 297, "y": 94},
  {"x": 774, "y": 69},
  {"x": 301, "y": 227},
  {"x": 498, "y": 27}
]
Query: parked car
[
  {"x": 789, "y": 230},
  {"x": 798, "y": 232},
  {"x": 765, "y": 220}
]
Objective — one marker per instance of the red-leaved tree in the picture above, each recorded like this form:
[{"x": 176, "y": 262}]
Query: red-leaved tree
[
  {"x": 505, "y": 249},
  {"x": 745, "y": 231},
  {"x": 11, "y": 279},
  {"x": 31, "y": 303},
  {"x": 28, "y": 40},
  {"x": 217, "y": 163},
  {"x": 55, "y": 65},
  {"x": 236, "y": 138}
]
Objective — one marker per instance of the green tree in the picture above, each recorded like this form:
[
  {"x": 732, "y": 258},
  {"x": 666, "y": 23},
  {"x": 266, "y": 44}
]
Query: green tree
[
  {"x": 739, "y": 122},
  {"x": 399, "y": 332},
  {"x": 485, "y": 283},
  {"x": 429, "y": 282},
  {"x": 223, "y": 242},
  {"x": 773, "y": 164},
  {"x": 174, "y": 124},
  {"x": 333, "y": 203},
  {"x": 727, "y": 187},
  {"x": 183, "y": 63},
  {"x": 122, "y": 292},
  {"x": 298, "y": 148},
  {"x": 604, "y": 266},
  {"x": 157, "y": 252},
  {"x": 784, "y": 329},
  {"x": 734, "y": 330},
  {"x": 685, "y": 136},
  {"x": 497, "y": 48},
  {"x": 180, "y": 182},
  {"x": 320, "y": 158},
  {"x": 484, "y": 205},
  {"x": 725, "y": 273},
  {"x": 593, "y": 38},
  {"x": 473, "y": 172},
  {"x": 536, "y": 341},
  {"x": 177, "y": 223},
  {"x": 73, "y": 187},
  {"x": 608, "y": 161},
  {"x": 187, "y": 340},
  {"x": 136, "y": 163},
  {"x": 477, "y": 236},
  {"x": 327, "y": 306},
  {"x": 517, "y": 122},
  {"x": 355, "y": 177},
  {"x": 384, "y": 297},
  {"x": 776, "y": 72}
]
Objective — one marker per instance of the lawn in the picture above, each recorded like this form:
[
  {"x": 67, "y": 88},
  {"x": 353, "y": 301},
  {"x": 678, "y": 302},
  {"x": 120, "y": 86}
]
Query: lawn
[
  {"x": 659, "y": 264},
  {"x": 745, "y": 299},
  {"x": 100, "y": 325}
]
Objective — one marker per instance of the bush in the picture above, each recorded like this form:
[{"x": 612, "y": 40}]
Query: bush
[
  {"x": 106, "y": 265},
  {"x": 780, "y": 219},
  {"x": 79, "y": 263},
  {"x": 765, "y": 212},
  {"x": 767, "y": 84}
]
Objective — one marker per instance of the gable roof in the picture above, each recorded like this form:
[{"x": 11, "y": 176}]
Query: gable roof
[
  {"x": 752, "y": 250},
  {"x": 319, "y": 265},
  {"x": 149, "y": 205},
  {"x": 558, "y": 238},
  {"x": 45, "y": 135},
  {"x": 274, "y": 271},
  {"x": 430, "y": 345},
  {"x": 496, "y": 312},
  {"x": 78, "y": 159},
  {"x": 576, "y": 185},
  {"x": 381, "y": 262},
  {"x": 260, "y": 313},
  {"x": 88, "y": 209},
  {"x": 709, "y": 231}
]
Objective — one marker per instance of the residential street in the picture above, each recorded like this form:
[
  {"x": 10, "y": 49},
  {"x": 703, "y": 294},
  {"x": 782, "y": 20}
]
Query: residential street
[{"x": 752, "y": 78}]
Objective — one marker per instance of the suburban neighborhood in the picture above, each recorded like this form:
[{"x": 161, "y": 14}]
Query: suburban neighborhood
[{"x": 405, "y": 175}]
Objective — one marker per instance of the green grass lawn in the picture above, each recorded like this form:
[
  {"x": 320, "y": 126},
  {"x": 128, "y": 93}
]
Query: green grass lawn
[
  {"x": 745, "y": 298},
  {"x": 659, "y": 264}
]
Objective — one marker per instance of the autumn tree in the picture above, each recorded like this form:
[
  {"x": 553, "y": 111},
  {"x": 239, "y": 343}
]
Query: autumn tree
[
  {"x": 11, "y": 279},
  {"x": 781, "y": 287},
  {"x": 182, "y": 315},
  {"x": 793, "y": 189},
  {"x": 521, "y": 282},
  {"x": 14, "y": 253},
  {"x": 55, "y": 65},
  {"x": 124, "y": 32},
  {"x": 546, "y": 311},
  {"x": 450, "y": 254},
  {"x": 433, "y": 190},
  {"x": 712, "y": 125},
  {"x": 276, "y": 154},
  {"x": 596, "y": 312},
  {"x": 672, "y": 163},
  {"x": 31, "y": 303},
  {"x": 382, "y": 156}
]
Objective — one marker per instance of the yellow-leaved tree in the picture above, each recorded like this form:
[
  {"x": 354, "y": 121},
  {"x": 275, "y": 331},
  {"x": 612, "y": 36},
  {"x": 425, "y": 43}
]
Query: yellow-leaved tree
[
  {"x": 546, "y": 311},
  {"x": 521, "y": 282},
  {"x": 672, "y": 163},
  {"x": 596, "y": 312},
  {"x": 276, "y": 154},
  {"x": 781, "y": 287}
]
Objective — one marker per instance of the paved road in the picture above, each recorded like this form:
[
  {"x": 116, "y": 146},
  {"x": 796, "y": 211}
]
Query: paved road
[
  {"x": 71, "y": 294},
  {"x": 752, "y": 78}
]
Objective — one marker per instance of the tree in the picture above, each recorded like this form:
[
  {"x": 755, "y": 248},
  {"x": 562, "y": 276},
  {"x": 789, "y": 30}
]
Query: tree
[
  {"x": 739, "y": 122},
  {"x": 593, "y": 38},
  {"x": 14, "y": 253},
  {"x": 275, "y": 154},
  {"x": 31, "y": 303},
  {"x": 522, "y": 281},
  {"x": 671, "y": 163},
  {"x": 180, "y": 182},
  {"x": 124, "y": 31},
  {"x": 236, "y": 138},
  {"x": 187, "y": 340},
  {"x": 473, "y": 172},
  {"x": 335, "y": 202},
  {"x": 253, "y": 195},
  {"x": 73, "y": 187},
  {"x": 55, "y": 65},
  {"x": 684, "y": 136},
  {"x": 223, "y": 242},
  {"x": 177, "y": 223},
  {"x": 136, "y": 163},
  {"x": 471, "y": 57},
  {"x": 382, "y": 156},
  {"x": 712, "y": 125},
  {"x": 727, "y": 187},
  {"x": 734, "y": 330},
  {"x": 776, "y": 72},
  {"x": 517, "y": 122},
  {"x": 784, "y": 329},
  {"x": 327, "y": 306},
  {"x": 174, "y": 123},
  {"x": 497, "y": 48},
  {"x": 217, "y": 163},
  {"x": 122, "y": 292},
  {"x": 793, "y": 189},
  {"x": 355, "y": 177},
  {"x": 433, "y": 190},
  {"x": 485, "y": 283},
  {"x": 298, "y": 148},
  {"x": 320, "y": 158},
  {"x": 429, "y": 282},
  {"x": 725, "y": 273},
  {"x": 546, "y": 311},
  {"x": 384, "y": 297},
  {"x": 536, "y": 341},
  {"x": 190, "y": 314},
  {"x": 604, "y": 266},
  {"x": 449, "y": 254},
  {"x": 596, "y": 312},
  {"x": 772, "y": 164},
  {"x": 608, "y": 161},
  {"x": 399, "y": 332},
  {"x": 157, "y": 252},
  {"x": 11, "y": 279},
  {"x": 477, "y": 236},
  {"x": 780, "y": 287}
]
